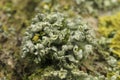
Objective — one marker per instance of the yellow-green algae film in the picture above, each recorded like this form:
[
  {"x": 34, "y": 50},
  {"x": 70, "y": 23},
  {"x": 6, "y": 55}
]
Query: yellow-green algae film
[{"x": 109, "y": 27}]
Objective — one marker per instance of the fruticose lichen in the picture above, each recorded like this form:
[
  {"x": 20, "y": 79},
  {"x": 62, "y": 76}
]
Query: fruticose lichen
[
  {"x": 60, "y": 42},
  {"x": 95, "y": 6}
]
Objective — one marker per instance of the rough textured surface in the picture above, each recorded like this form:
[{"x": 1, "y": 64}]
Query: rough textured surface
[
  {"x": 95, "y": 6},
  {"x": 59, "y": 41},
  {"x": 16, "y": 17}
]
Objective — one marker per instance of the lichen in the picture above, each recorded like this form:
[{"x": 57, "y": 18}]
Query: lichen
[
  {"x": 95, "y": 6},
  {"x": 59, "y": 41}
]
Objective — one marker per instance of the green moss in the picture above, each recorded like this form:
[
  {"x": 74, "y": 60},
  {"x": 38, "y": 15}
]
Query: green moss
[
  {"x": 36, "y": 37},
  {"x": 109, "y": 27}
]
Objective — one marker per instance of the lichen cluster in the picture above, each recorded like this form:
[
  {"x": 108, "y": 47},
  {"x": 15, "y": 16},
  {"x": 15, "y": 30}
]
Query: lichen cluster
[
  {"x": 95, "y": 6},
  {"x": 58, "y": 41}
]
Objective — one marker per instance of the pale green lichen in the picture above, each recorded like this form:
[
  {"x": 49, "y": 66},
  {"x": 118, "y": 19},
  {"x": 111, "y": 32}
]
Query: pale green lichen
[
  {"x": 58, "y": 36},
  {"x": 61, "y": 42},
  {"x": 95, "y": 6}
]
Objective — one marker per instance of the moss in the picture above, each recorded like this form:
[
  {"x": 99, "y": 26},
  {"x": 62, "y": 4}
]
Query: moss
[
  {"x": 36, "y": 37},
  {"x": 117, "y": 77},
  {"x": 109, "y": 27}
]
